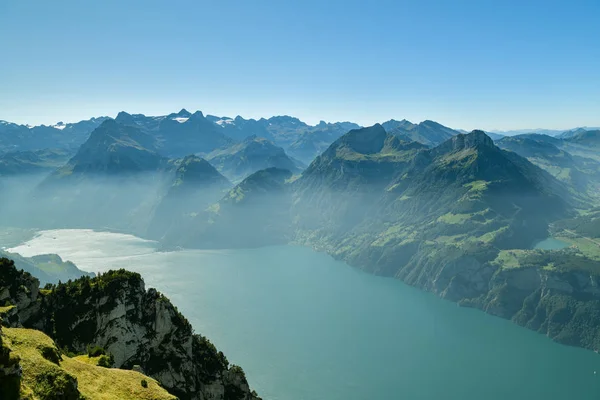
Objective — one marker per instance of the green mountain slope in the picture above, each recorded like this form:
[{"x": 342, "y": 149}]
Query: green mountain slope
[
  {"x": 47, "y": 268},
  {"x": 195, "y": 185},
  {"x": 581, "y": 174},
  {"x": 337, "y": 188},
  {"x": 465, "y": 193},
  {"x": 32, "y": 162},
  {"x": 254, "y": 213},
  {"x": 112, "y": 148}
]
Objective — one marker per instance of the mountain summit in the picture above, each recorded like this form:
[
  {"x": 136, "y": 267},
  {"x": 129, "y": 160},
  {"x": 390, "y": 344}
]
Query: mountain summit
[
  {"x": 113, "y": 148},
  {"x": 475, "y": 139}
]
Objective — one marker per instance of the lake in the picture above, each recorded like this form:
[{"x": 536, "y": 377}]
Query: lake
[
  {"x": 304, "y": 326},
  {"x": 551, "y": 244}
]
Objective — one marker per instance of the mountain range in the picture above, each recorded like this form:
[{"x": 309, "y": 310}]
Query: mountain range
[
  {"x": 541, "y": 131},
  {"x": 459, "y": 219},
  {"x": 202, "y": 134},
  {"x": 14, "y": 137},
  {"x": 446, "y": 211}
]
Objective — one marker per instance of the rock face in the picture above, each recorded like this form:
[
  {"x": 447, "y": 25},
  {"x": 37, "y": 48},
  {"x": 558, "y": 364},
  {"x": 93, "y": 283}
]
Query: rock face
[
  {"x": 138, "y": 327},
  {"x": 472, "y": 140}
]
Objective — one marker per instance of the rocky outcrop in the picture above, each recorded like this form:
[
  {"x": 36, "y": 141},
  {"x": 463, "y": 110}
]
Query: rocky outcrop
[
  {"x": 19, "y": 292},
  {"x": 139, "y": 327}
]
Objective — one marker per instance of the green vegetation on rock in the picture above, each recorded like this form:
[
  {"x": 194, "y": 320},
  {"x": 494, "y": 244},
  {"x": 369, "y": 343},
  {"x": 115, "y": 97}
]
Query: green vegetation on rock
[{"x": 110, "y": 321}]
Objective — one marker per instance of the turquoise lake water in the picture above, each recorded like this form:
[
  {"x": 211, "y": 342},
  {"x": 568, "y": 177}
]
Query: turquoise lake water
[
  {"x": 304, "y": 326},
  {"x": 551, "y": 244}
]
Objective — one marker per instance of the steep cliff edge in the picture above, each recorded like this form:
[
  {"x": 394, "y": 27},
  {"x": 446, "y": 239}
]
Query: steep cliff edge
[{"x": 138, "y": 327}]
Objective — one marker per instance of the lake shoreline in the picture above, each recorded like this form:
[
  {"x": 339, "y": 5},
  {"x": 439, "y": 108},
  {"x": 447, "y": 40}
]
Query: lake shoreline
[{"x": 281, "y": 310}]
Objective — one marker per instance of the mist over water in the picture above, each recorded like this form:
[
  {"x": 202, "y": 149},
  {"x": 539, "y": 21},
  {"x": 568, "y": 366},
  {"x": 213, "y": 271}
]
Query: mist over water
[{"x": 305, "y": 326}]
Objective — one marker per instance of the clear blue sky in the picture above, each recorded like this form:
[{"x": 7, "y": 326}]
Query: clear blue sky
[{"x": 467, "y": 64}]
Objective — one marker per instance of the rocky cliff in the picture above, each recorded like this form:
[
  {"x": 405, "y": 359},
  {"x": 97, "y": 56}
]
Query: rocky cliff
[{"x": 138, "y": 327}]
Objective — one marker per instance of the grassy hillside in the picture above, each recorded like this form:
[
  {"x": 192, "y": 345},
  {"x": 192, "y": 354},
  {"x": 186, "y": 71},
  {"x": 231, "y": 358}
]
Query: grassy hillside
[{"x": 49, "y": 374}]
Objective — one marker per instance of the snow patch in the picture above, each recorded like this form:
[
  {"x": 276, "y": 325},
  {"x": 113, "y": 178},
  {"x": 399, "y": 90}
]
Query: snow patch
[
  {"x": 59, "y": 126},
  {"x": 181, "y": 120},
  {"x": 222, "y": 122}
]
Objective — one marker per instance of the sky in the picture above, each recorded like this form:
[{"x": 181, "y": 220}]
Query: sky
[{"x": 465, "y": 63}]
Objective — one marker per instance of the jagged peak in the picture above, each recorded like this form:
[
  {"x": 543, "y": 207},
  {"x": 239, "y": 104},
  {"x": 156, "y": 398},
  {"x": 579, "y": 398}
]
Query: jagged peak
[
  {"x": 122, "y": 115},
  {"x": 184, "y": 113},
  {"x": 395, "y": 121},
  {"x": 107, "y": 123},
  {"x": 197, "y": 115}
]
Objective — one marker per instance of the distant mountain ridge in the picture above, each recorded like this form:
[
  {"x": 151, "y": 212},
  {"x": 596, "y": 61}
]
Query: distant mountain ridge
[
  {"x": 251, "y": 155},
  {"x": 541, "y": 131},
  {"x": 429, "y": 133},
  {"x": 15, "y": 137},
  {"x": 182, "y": 133},
  {"x": 283, "y": 130},
  {"x": 552, "y": 154}
]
